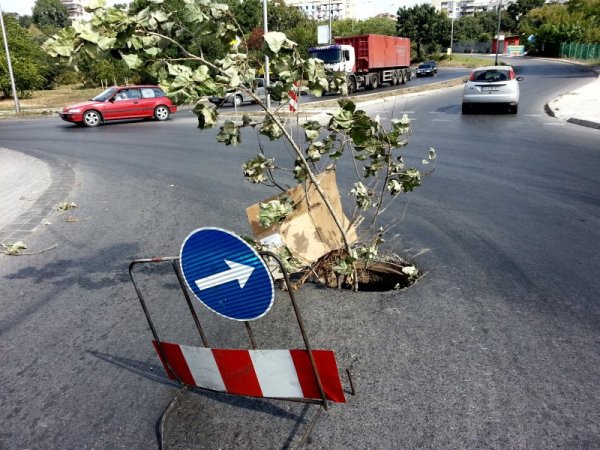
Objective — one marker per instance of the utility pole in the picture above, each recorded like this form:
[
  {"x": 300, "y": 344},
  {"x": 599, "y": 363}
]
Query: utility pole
[{"x": 10, "y": 70}]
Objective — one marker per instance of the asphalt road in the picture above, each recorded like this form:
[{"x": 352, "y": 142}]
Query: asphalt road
[{"x": 498, "y": 346}]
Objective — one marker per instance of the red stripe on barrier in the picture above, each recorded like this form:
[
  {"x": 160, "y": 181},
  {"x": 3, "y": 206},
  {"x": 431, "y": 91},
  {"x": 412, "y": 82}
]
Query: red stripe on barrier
[
  {"x": 237, "y": 372},
  {"x": 328, "y": 372},
  {"x": 177, "y": 361}
]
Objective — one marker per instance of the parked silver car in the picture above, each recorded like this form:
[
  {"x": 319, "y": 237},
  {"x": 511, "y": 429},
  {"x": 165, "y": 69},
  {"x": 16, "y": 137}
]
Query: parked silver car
[
  {"x": 238, "y": 97},
  {"x": 492, "y": 84}
]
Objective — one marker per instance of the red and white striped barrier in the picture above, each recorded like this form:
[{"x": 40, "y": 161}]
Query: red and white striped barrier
[
  {"x": 294, "y": 105},
  {"x": 255, "y": 373}
]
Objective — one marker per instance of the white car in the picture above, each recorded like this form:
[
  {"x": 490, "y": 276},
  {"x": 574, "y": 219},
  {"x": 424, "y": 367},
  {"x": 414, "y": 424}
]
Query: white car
[
  {"x": 492, "y": 84},
  {"x": 236, "y": 98}
]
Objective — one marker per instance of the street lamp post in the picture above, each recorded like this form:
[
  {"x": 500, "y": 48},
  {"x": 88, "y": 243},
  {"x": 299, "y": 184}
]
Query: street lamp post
[
  {"x": 267, "y": 81},
  {"x": 498, "y": 32},
  {"x": 452, "y": 27},
  {"x": 330, "y": 21},
  {"x": 9, "y": 65}
]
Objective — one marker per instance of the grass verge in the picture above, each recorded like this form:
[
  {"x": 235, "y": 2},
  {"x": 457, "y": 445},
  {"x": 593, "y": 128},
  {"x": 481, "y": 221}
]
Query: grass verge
[{"x": 50, "y": 99}]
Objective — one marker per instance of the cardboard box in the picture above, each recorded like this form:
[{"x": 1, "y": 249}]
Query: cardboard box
[{"x": 309, "y": 232}]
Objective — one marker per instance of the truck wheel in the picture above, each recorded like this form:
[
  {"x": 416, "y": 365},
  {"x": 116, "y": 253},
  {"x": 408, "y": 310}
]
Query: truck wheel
[
  {"x": 374, "y": 81},
  {"x": 351, "y": 86},
  {"x": 395, "y": 78},
  {"x": 402, "y": 78}
]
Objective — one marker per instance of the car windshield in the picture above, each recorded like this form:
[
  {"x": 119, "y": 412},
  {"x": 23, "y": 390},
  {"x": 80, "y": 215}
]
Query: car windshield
[
  {"x": 328, "y": 55},
  {"x": 424, "y": 66},
  {"x": 102, "y": 97}
]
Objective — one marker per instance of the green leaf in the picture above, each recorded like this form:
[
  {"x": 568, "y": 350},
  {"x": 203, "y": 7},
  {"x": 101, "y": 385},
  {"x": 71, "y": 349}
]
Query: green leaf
[
  {"x": 311, "y": 135},
  {"x": 132, "y": 61},
  {"x": 275, "y": 41},
  {"x": 271, "y": 129},
  {"x": 275, "y": 211},
  {"x": 229, "y": 134},
  {"x": 106, "y": 43},
  {"x": 255, "y": 169},
  {"x": 207, "y": 116}
]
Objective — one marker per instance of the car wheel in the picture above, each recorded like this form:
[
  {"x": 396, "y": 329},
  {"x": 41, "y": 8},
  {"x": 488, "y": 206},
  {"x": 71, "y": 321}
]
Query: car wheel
[
  {"x": 513, "y": 109},
  {"x": 92, "y": 118},
  {"x": 466, "y": 108},
  {"x": 161, "y": 112},
  {"x": 237, "y": 101}
]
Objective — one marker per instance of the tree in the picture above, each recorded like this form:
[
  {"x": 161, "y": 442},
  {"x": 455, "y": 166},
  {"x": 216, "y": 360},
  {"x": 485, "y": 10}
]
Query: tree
[
  {"x": 28, "y": 61},
  {"x": 553, "y": 24},
  {"x": 147, "y": 37},
  {"x": 520, "y": 8},
  {"x": 374, "y": 25},
  {"x": 50, "y": 13},
  {"x": 424, "y": 26}
]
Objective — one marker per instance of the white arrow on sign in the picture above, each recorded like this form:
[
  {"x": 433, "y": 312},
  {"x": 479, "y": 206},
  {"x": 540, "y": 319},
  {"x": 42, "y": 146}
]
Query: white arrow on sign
[{"x": 237, "y": 271}]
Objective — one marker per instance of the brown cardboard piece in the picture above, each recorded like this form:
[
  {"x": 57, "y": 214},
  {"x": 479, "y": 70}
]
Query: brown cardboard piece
[{"x": 309, "y": 232}]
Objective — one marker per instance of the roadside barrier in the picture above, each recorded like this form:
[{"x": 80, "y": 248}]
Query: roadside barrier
[{"x": 299, "y": 375}]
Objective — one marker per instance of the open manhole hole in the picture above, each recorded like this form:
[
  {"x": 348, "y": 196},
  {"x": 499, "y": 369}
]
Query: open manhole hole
[{"x": 378, "y": 276}]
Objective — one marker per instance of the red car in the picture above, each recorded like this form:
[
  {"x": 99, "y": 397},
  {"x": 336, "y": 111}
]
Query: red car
[{"x": 121, "y": 102}]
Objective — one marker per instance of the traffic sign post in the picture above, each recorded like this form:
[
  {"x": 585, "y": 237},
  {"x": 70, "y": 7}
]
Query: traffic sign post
[{"x": 231, "y": 279}]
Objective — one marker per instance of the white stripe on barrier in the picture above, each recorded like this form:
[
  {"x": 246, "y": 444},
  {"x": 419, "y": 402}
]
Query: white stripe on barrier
[
  {"x": 276, "y": 373},
  {"x": 203, "y": 367}
]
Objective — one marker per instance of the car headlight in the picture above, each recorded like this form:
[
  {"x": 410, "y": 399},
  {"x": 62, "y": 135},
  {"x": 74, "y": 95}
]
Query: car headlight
[{"x": 73, "y": 110}]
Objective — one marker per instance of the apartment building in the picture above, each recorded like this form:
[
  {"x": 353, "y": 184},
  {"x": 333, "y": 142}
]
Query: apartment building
[
  {"x": 321, "y": 9},
  {"x": 74, "y": 7},
  {"x": 463, "y": 8}
]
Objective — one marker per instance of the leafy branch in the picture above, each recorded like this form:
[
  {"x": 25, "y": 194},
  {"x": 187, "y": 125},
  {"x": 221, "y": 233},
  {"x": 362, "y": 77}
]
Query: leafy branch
[{"x": 152, "y": 40}]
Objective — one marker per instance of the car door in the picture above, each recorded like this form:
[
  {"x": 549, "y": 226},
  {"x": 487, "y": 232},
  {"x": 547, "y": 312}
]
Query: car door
[
  {"x": 125, "y": 104},
  {"x": 148, "y": 101}
]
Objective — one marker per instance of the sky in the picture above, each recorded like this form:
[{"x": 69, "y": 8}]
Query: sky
[{"x": 24, "y": 7}]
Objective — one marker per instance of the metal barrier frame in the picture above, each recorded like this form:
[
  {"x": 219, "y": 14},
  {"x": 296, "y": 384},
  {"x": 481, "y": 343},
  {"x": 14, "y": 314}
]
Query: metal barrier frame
[{"x": 264, "y": 254}]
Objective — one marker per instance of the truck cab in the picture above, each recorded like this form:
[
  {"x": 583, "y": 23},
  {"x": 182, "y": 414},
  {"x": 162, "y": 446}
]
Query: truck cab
[{"x": 338, "y": 58}]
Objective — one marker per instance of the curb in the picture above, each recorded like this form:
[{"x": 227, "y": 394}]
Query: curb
[
  {"x": 62, "y": 178},
  {"x": 584, "y": 123}
]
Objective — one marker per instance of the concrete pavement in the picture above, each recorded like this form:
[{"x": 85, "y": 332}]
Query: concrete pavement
[
  {"x": 581, "y": 106},
  {"x": 31, "y": 188}
]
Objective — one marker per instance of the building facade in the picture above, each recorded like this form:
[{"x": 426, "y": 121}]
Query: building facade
[
  {"x": 462, "y": 8},
  {"x": 321, "y": 9},
  {"x": 74, "y": 7}
]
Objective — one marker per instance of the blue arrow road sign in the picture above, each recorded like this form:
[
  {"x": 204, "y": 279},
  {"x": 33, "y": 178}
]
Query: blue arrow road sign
[{"x": 226, "y": 274}]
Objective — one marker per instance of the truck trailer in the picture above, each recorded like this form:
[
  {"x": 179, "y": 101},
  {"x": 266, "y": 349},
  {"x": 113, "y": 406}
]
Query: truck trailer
[{"x": 368, "y": 60}]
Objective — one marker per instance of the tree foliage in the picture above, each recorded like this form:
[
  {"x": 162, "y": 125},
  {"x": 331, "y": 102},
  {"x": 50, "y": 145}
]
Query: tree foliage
[
  {"x": 481, "y": 26},
  {"x": 426, "y": 27},
  {"x": 28, "y": 60},
  {"x": 374, "y": 25},
  {"x": 520, "y": 8},
  {"x": 50, "y": 13},
  {"x": 553, "y": 24},
  {"x": 151, "y": 36}
]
